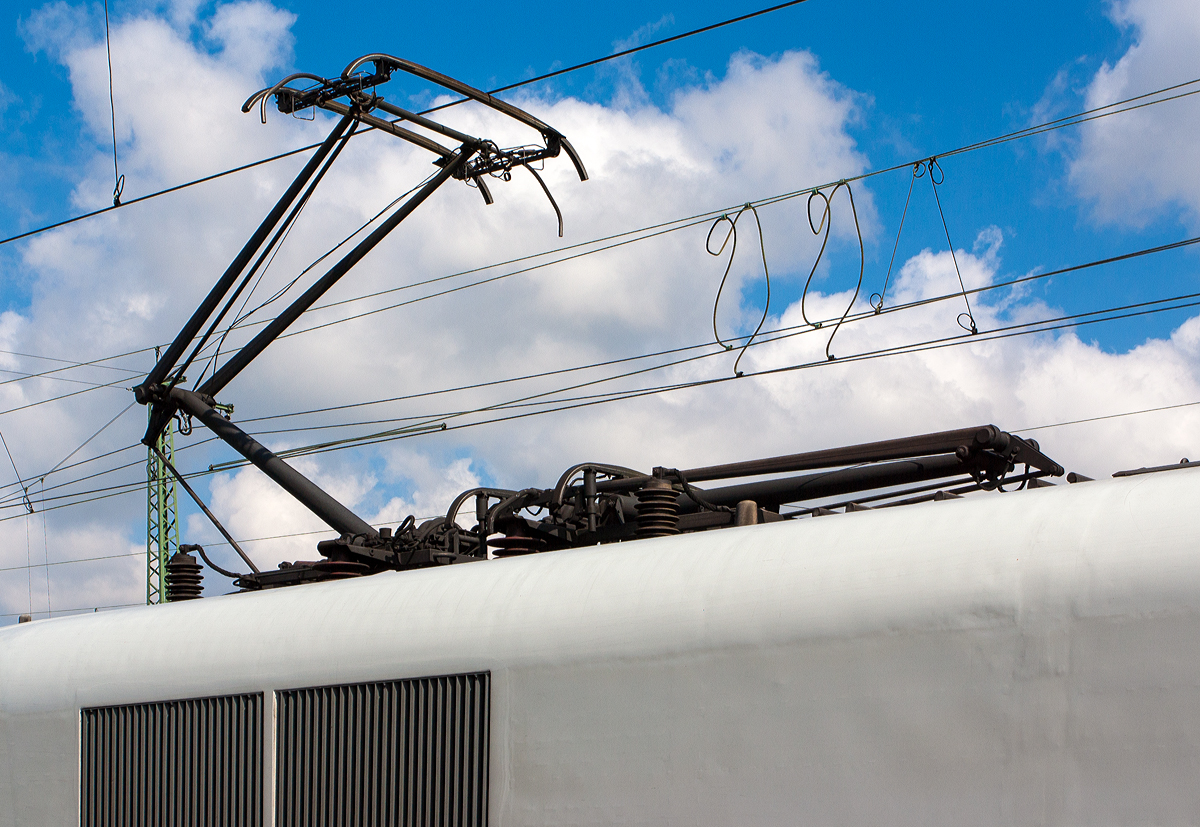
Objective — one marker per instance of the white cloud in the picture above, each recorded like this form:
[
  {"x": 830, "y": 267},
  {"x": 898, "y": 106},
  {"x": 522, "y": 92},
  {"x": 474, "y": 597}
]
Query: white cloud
[
  {"x": 56, "y": 28},
  {"x": 434, "y": 486},
  {"x": 251, "y": 506},
  {"x": 254, "y": 36},
  {"x": 1145, "y": 164},
  {"x": 1017, "y": 382},
  {"x": 110, "y": 581},
  {"x": 770, "y": 125}
]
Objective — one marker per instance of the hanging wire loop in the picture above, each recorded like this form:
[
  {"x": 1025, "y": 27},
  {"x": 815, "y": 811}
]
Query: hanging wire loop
[
  {"x": 730, "y": 240},
  {"x": 118, "y": 178},
  {"x": 826, "y": 223},
  {"x": 729, "y": 236},
  {"x": 876, "y": 300},
  {"x": 936, "y": 179}
]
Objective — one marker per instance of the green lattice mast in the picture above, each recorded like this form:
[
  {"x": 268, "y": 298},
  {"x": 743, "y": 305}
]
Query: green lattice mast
[{"x": 162, "y": 517}]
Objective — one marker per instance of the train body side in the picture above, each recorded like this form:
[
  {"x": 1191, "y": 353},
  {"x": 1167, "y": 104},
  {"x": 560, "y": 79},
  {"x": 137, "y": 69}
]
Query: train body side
[{"x": 1014, "y": 658}]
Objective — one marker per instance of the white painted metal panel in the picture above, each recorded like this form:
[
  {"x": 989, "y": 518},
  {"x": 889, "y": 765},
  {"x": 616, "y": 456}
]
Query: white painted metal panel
[{"x": 1005, "y": 659}]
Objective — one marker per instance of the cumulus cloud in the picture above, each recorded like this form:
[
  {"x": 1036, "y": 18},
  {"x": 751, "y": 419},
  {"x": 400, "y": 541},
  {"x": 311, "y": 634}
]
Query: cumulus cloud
[
  {"x": 113, "y": 571},
  {"x": 56, "y": 28},
  {"x": 1146, "y": 164},
  {"x": 769, "y": 125},
  {"x": 1017, "y": 383},
  {"x": 434, "y": 485},
  {"x": 252, "y": 507}
]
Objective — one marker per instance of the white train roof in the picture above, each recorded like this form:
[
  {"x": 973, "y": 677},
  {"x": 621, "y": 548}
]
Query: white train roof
[{"x": 1098, "y": 548}]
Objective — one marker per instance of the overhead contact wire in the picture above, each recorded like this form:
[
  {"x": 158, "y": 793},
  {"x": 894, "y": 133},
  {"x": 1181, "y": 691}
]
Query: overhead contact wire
[
  {"x": 1042, "y": 326},
  {"x": 1058, "y": 123},
  {"x": 898, "y": 308},
  {"x": 918, "y": 303},
  {"x": 816, "y": 325},
  {"x": 1026, "y": 328}
]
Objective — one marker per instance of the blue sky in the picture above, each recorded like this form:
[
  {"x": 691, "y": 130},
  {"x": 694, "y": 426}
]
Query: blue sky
[
  {"x": 785, "y": 102},
  {"x": 932, "y": 77}
]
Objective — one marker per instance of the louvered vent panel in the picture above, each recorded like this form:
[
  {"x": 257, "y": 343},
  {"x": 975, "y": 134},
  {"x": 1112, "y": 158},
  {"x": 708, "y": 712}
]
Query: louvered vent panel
[
  {"x": 410, "y": 753},
  {"x": 187, "y": 763}
]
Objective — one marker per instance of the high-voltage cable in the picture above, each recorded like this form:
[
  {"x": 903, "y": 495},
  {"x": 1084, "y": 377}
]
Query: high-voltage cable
[
  {"x": 703, "y": 217},
  {"x": 1026, "y": 328},
  {"x": 1008, "y": 332},
  {"x": 773, "y": 335},
  {"x": 299, "y": 150},
  {"x": 1085, "y": 116}
]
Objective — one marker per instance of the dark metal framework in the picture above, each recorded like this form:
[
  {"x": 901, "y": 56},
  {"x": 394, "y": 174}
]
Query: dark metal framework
[
  {"x": 352, "y": 95},
  {"x": 592, "y": 503}
]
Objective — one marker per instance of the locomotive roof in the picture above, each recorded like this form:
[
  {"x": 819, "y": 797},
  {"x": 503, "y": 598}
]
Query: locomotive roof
[{"x": 1094, "y": 549}]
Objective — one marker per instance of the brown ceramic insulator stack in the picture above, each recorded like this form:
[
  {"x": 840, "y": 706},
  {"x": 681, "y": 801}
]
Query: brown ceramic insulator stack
[
  {"x": 517, "y": 539},
  {"x": 341, "y": 569},
  {"x": 183, "y": 578},
  {"x": 657, "y": 510}
]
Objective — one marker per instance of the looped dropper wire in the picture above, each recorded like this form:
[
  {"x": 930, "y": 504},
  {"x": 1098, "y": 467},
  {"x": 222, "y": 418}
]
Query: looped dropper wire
[
  {"x": 816, "y": 230},
  {"x": 826, "y": 223},
  {"x": 936, "y": 177},
  {"x": 731, "y": 236},
  {"x": 119, "y": 186},
  {"x": 876, "y": 299}
]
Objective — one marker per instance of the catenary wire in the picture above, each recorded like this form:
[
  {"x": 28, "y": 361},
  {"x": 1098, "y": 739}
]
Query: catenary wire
[
  {"x": 651, "y": 231},
  {"x": 509, "y": 87},
  {"x": 1067, "y": 120},
  {"x": 70, "y": 365},
  {"x": 625, "y": 53},
  {"x": 42, "y": 477},
  {"x": 138, "y": 555},
  {"x": 84, "y": 444},
  {"x": 853, "y": 317},
  {"x": 80, "y": 609},
  {"x": 1025, "y": 132},
  {"x": 896, "y": 308},
  {"x": 115, "y": 384},
  {"x": 22, "y": 376},
  {"x": 105, "y": 455},
  {"x": 1030, "y": 328},
  {"x": 1111, "y": 416},
  {"x": 134, "y": 556},
  {"x": 958, "y": 339},
  {"x": 6, "y": 499},
  {"x": 990, "y": 142},
  {"x": 774, "y": 333},
  {"x": 1024, "y": 328}
]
